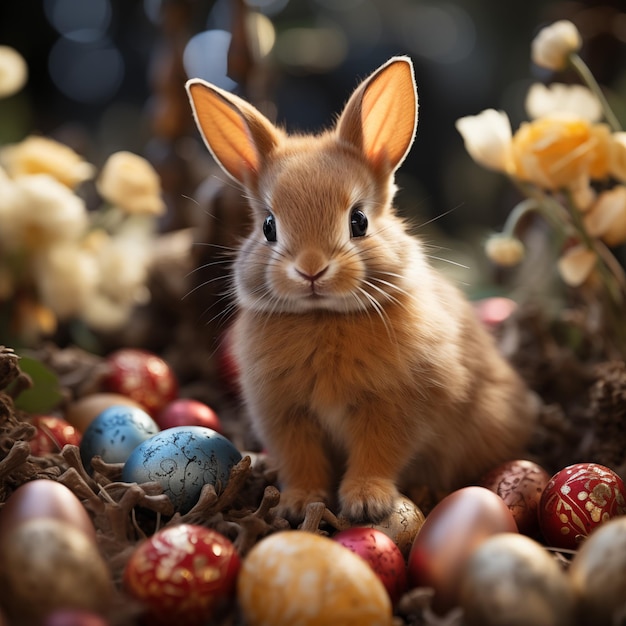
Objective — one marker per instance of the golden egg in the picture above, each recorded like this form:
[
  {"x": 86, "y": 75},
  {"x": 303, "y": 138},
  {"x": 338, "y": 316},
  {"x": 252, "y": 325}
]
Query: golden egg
[{"x": 297, "y": 577}]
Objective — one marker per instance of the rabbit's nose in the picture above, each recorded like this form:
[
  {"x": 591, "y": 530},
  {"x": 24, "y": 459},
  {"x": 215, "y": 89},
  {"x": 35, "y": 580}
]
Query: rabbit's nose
[
  {"x": 311, "y": 265},
  {"x": 312, "y": 277}
]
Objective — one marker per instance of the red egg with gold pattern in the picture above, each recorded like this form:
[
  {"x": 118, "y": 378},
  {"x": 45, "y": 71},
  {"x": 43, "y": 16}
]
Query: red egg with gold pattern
[
  {"x": 183, "y": 574},
  {"x": 577, "y": 500},
  {"x": 141, "y": 376},
  {"x": 52, "y": 434}
]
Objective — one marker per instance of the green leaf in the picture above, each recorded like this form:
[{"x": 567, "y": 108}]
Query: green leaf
[{"x": 45, "y": 394}]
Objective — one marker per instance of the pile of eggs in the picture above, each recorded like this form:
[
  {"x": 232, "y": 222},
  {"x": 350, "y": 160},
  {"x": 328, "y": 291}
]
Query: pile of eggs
[{"x": 485, "y": 550}]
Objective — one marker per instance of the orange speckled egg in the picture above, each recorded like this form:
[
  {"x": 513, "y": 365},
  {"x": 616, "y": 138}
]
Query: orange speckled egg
[
  {"x": 83, "y": 411},
  {"x": 297, "y": 577}
]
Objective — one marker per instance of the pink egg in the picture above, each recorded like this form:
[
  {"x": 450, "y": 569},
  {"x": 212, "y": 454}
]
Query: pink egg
[
  {"x": 382, "y": 554},
  {"x": 188, "y": 412},
  {"x": 451, "y": 532},
  {"x": 577, "y": 500},
  {"x": 69, "y": 617}
]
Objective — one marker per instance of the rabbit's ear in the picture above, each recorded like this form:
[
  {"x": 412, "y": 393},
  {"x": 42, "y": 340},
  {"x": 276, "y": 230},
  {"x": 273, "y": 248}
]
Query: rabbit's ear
[
  {"x": 236, "y": 134},
  {"x": 381, "y": 115}
]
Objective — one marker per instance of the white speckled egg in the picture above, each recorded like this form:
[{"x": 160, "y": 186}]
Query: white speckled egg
[
  {"x": 511, "y": 580},
  {"x": 296, "y": 577},
  {"x": 598, "y": 574}
]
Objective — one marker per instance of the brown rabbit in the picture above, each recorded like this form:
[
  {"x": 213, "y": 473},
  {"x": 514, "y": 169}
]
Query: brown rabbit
[{"x": 361, "y": 367}]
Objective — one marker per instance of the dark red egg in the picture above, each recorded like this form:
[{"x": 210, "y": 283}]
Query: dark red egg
[
  {"x": 382, "y": 554},
  {"x": 227, "y": 366},
  {"x": 520, "y": 484},
  {"x": 141, "y": 376},
  {"x": 577, "y": 500},
  {"x": 188, "y": 412}
]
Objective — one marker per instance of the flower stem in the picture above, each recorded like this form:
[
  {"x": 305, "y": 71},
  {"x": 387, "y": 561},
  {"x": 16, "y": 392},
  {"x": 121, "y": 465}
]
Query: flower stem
[{"x": 589, "y": 79}]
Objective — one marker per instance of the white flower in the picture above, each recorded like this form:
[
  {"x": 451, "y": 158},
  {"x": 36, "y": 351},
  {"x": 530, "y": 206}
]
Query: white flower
[
  {"x": 129, "y": 182},
  {"x": 123, "y": 262},
  {"x": 66, "y": 275},
  {"x": 554, "y": 44},
  {"x": 13, "y": 71},
  {"x": 44, "y": 211},
  {"x": 559, "y": 99},
  {"x": 487, "y": 137},
  {"x": 504, "y": 250},
  {"x": 576, "y": 265},
  {"x": 41, "y": 155}
]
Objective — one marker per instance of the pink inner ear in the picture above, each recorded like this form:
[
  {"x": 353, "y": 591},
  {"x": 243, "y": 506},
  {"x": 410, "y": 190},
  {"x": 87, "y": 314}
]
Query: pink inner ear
[
  {"x": 224, "y": 131},
  {"x": 388, "y": 114}
]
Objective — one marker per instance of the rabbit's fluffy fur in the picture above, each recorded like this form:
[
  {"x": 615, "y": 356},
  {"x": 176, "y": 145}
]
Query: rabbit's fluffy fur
[{"x": 363, "y": 370}]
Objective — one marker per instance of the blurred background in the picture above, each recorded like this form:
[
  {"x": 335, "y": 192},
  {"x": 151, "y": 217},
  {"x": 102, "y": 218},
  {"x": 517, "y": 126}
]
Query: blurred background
[{"x": 109, "y": 75}]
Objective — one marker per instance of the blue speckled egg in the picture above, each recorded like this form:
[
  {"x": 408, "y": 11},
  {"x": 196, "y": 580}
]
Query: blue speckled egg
[
  {"x": 182, "y": 460},
  {"x": 115, "y": 433}
]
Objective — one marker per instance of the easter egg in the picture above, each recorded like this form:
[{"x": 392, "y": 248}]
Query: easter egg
[
  {"x": 520, "y": 484},
  {"x": 452, "y": 531},
  {"x": 227, "y": 366},
  {"x": 512, "y": 579},
  {"x": 297, "y": 577},
  {"x": 74, "y": 617},
  {"x": 43, "y": 498},
  {"x": 182, "y": 460},
  {"x": 188, "y": 412},
  {"x": 115, "y": 433},
  {"x": 48, "y": 564},
  {"x": 52, "y": 434},
  {"x": 183, "y": 574},
  {"x": 141, "y": 376},
  {"x": 597, "y": 574},
  {"x": 576, "y": 500},
  {"x": 382, "y": 555},
  {"x": 402, "y": 524},
  {"x": 81, "y": 412}
]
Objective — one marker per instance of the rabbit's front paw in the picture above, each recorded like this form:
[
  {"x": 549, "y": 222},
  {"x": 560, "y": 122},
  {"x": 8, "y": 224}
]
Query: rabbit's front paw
[
  {"x": 293, "y": 503},
  {"x": 367, "y": 499}
]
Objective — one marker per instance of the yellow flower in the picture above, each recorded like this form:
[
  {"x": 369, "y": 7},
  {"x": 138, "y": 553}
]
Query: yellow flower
[
  {"x": 617, "y": 163},
  {"x": 557, "y": 99},
  {"x": 13, "y": 71},
  {"x": 576, "y": 265},
  {"x": 129, "y": 182},
  {"x": 555, "y": 152},
  {"x": 487, "y": 138},
  {"x": 41, "y": 155},
  {"x": 504, "y": 250},
  {"x": 553, "y": 45},
  {"x": 607, "y": 217}
]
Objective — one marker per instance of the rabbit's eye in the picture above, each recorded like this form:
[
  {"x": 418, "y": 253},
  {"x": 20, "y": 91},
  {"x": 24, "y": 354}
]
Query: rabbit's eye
[
  {"x": 269, "y": 228},
  {"x": 358, "y": 223}
]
